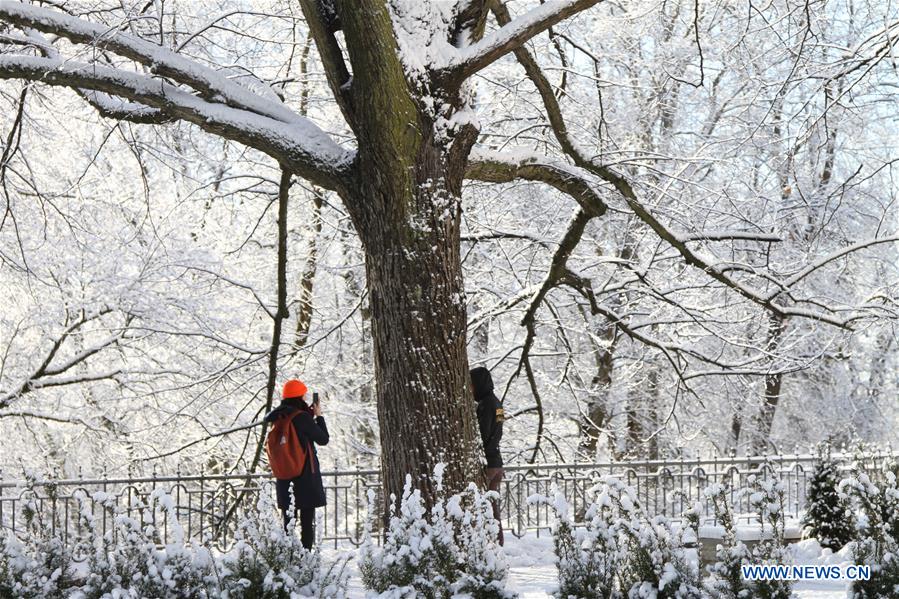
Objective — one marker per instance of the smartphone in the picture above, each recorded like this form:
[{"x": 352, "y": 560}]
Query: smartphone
[{"x": 314, "y": 398}]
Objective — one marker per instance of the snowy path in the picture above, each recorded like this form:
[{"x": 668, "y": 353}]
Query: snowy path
[{"x": 533, "y": 575}]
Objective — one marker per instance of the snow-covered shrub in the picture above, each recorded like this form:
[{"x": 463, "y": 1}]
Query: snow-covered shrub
[
  {"x": 452, "y": 549},
  {"x": 271, "y": 563},
  {"x": 828, "y": 517},
  {"x": 126, "y": 561},
  {"x": 655, "y": 566},
  {"x": 877, "y": 543},
  {"x": 42, "y": 566},
  {"x": 618, "y": 551},
  {"x": 484, "y": 568},
  {"x": 587, "y": 557},
  {"x": 39, "y": 569},
  {"x": 725, "y": 576}
]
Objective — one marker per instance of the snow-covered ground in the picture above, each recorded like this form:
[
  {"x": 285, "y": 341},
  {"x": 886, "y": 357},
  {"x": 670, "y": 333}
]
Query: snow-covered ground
[{"x": 532, "y": 573}]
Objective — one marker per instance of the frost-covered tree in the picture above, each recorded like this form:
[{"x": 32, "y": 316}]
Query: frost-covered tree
[{"x": 405, "y": 97}]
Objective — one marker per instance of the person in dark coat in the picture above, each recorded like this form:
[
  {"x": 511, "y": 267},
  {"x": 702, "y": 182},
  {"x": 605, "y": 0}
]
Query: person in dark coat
[
  {"x": 490, "y": 422},
  {"x": 308, "y": 489}
]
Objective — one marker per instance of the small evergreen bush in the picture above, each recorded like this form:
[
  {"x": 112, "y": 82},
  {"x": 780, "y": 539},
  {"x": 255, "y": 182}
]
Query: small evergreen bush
[
  {"x": 588, "y": 556},
  {"x": 271, "y": 563},
  {"x": 618, "y": 551},
  {"x": 655, "y": 566},
  {"x": 450, "y": 550},
  {"x": 877, "y": 542},
  {"x": 725, "y": 575},
  {"x": 828, "y": 517},
  {"x": 41, "y": 567},
  {"x": 128, "y": 561}
]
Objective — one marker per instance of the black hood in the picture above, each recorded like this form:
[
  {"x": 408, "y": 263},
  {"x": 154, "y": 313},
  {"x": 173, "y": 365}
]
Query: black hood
[
  {"x": 287, "y": 405},
  {"x": 482, "y": 382}
]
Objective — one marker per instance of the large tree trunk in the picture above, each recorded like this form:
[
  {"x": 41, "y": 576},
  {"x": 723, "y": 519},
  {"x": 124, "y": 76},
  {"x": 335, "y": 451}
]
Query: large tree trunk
[
  {"x": 404, "y": 200},
  {"x": 416, "y": 294}
]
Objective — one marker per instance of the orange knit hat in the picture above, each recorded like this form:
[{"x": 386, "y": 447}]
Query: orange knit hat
[{"x": 294, "y": 388}]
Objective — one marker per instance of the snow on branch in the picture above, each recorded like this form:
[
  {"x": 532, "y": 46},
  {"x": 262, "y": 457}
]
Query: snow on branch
[
  {"x": 49, "y": 416},
  {"x": 158, "y": 59},
  {"x": 111, "y": 107},
  {"x": 108, "y": 106},
  {"x": 472, "y": 59},
  {"x": 732, "y": 236},
  {"x": 584, "y": 163},
  {"x": 577, "y": 181},
  {"x": 505, "y": 167},
  {"x": 824, "y": 261},
  {"x": 309, "y": 151}
]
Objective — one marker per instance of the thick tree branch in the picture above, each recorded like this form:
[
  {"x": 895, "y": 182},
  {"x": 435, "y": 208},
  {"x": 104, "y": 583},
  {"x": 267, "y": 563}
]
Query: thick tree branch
[
  {"x": 381, "y": 94},
  {"x": 512, "y": 35},
  {"x": 108, "y": 106},
  {"x": 496, "y": 167},
  {"x": 111, "y": 107},
  {"x": 336, "y": 71},
  {"x": 158, "y": 59},
  {"x": 469, "y": 24},
  {"x": 306, "y": 148}
]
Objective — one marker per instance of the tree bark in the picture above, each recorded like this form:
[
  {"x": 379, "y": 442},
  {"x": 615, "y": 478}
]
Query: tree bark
[
  {"x": 597, "y": 415},
  {"x": 404, "y": 201},
  {"x": 773, "y": 382},
  {"x": 416, "y": 295}
]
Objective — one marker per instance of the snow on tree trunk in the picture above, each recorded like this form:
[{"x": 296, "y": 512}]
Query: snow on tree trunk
[{"x": 414, "y": 273}]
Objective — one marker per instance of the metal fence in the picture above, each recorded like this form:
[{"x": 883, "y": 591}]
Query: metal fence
[{"x": 209, "y": 506}]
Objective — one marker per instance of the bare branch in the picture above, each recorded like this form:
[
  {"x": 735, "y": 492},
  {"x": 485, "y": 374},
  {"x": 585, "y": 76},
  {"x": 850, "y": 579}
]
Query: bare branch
[{"x": 841, "y": 253}]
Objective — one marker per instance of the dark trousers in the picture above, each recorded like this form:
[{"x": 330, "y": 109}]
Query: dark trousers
[
  {"x": 307, "y": 524},
  {"x": 494, "y": 478}
]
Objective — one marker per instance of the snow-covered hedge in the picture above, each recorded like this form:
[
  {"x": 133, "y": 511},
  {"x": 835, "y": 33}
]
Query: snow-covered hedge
[
  {"x": 40, "y": 567},
  {"x": 127, "y": 561},
  {"x": 450, "y": 550},
  {"x": 618, "y": 551}
]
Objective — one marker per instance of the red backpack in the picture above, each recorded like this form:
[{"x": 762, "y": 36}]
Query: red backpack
[{"x": 286, "y": 455}]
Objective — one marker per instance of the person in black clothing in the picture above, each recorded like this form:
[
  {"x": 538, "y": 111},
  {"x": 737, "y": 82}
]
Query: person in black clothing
[
  {"x": 490, "y": 421},
  {"x": 308, "y": 490}
]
